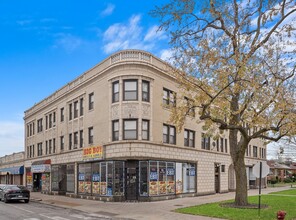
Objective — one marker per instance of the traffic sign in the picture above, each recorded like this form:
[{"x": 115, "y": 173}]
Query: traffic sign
[{"x": 265, "y": 169}]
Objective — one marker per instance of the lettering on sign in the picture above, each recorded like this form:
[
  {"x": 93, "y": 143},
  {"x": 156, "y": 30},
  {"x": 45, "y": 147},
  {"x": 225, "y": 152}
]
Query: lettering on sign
[{"x": 93, "y": 153}]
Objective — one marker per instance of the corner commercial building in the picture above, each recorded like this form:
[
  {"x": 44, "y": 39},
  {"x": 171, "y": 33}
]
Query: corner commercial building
[{"x": 106, "y": 136}]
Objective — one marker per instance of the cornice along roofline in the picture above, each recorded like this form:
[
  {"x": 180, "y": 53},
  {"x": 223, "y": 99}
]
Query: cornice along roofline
[{"x": 119, "y": 58}]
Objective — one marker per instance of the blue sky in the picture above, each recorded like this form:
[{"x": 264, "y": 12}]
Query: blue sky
[{"x": 45, "y": 44}]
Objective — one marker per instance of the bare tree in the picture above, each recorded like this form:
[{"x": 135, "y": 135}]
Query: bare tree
[{"x": 236, "y": 61}]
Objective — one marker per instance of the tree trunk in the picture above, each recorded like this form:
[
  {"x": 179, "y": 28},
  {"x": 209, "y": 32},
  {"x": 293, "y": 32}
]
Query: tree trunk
[{"x": 238, "y": 158}]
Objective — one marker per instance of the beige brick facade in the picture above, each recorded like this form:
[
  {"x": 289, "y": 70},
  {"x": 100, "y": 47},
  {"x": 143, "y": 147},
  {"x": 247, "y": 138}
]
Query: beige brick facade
[{"x": 97, "y": 84}]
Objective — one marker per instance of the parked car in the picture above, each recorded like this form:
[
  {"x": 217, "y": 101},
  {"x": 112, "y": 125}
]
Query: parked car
[{"x": 14, "y": 193}]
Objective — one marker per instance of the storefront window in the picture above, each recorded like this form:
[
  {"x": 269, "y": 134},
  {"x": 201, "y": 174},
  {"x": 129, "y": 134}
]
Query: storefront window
[
  {"x": 55, "y": 178},
  {"x": 171, "y": 185},
  {"x": 143, "y": 178},
  {"x": 96, "y": 178},
  {"x": 84, "y": 178},
  {"x": 162, "y": 177},
  {"x": 119, "y": 178},
  {"x": 70, "y": 176},
  {"x": 153, "y": 178},
  {"x": 110, "y": 179},
  {"x": 103, "y": 179}
]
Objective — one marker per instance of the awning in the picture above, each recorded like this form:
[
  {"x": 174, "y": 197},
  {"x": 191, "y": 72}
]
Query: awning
[
  {"x": 41, "y": 162},
  {"x": 13, "y": 170}
]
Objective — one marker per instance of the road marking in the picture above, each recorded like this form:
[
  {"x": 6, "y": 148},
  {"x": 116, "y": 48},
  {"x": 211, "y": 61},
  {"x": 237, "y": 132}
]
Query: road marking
[
  {"x": 16, "y": 207},
  {"x": 54, "y": 217}
]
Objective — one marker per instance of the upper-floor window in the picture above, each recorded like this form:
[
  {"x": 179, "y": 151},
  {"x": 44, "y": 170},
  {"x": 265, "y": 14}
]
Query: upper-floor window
[
  {"x": 115, "y": 130},
  {"x": 91, "y": 101},
  {"x": 226, "y": 145},
  {"x": 90, "y": 135},
  {"x": 130, "y": 90},
  {"x": 115, "y": 91},
  {"x": 145, "y": 130},
  {"x": 145, "y": 91},
  {"x": 70, "y": 112},
  {"x": 205, "y": 142},
  {"x": 53, "y": 145},
  {"x": 130, "y": 129},
  {"x": 222, "y": 144},
  {"x": 39, "y": 149},
  {"x": 255, "y": 151},
  {"x": 75, "y": 140},
  {"x": 50, "y": 120},
  {"x": 189, "y": 138},
  {"x": 81, "y": 138},
  {"x": 169, "y": 98},
  {"x": 76, "y": 109},
  {"x": 62, "y": 114},
  {"x": 62, "y": 143},
  {"x": 70, "y": 141},
  {"x": 81, "y": 107},
  {"x": 169, "y": 134},
  {"x": 39, "y": 125}
]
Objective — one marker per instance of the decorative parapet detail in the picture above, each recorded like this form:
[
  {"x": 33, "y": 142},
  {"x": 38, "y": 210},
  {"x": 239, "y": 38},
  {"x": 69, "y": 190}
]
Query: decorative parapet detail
[{"x": 131, "y": 55}]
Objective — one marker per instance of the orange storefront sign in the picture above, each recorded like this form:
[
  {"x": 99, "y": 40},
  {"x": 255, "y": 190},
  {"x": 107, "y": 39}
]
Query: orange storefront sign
[{"x": 93, "y": 153}]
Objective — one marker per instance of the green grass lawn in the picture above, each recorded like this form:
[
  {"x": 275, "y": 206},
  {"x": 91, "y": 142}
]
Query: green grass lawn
[{"x": 275, "y": 202}]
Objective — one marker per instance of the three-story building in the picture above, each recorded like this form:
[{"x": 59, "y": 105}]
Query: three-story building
[{"x": 106, "y": 135}]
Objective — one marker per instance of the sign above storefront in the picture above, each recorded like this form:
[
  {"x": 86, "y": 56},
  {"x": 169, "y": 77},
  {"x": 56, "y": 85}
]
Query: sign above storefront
[
  {"x": 93, "y": 153},
  {"x": 42, "y": 168}
]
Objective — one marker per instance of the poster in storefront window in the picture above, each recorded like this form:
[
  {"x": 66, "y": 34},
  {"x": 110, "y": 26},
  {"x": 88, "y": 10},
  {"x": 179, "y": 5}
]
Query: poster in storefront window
[
  {"x": 162, "y": 187},
  {"x": 29, "y": 181},
  {"x": 45, "y": 182},
  {"x": 103, "y": 188},
  {"x": 96, "y": 177},
  {"x": 153, "y": 176},
  {"x": 96, "y": 187},
  {"x": 171, "y": 187},
  {"x": 153, "y": 188},
  {"x": 81, "y": 177},
  {"x": 81, "y": 188}
]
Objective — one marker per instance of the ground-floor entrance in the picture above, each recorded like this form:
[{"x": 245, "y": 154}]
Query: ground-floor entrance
[{"x": 132, "y": 180}]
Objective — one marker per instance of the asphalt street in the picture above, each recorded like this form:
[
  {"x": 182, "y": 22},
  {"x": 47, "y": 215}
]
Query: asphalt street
[{"x": 38, "y": 211}]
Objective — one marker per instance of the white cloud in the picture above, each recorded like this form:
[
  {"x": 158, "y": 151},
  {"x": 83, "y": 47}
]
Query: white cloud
[
  {"x": 166, "y": 55},
  {"x": 108, "y": 11},
  {"x": 130, "y": 35},
  {"x": 154, "y": 34},
  {"x": 11, "y": 137},
  {"x": 67, "y": 42},
  {"x": 24, "y": 22}
]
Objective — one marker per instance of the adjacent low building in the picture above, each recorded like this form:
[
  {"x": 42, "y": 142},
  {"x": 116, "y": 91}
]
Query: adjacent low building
[
  {"x": 106, "y": 135},
  {"x": 12, "y": 168}
]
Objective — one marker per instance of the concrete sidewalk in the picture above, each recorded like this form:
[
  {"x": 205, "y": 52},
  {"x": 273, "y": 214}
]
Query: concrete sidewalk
[{"x": 161, "y": 210}]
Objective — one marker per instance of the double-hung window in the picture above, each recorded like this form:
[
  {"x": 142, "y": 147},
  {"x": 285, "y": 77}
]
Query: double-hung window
[
  {"x": 130, "y": 88},
  {"x": 115, "y": 92},
  {"x": 75, "y": 140},
  {"x": 189, "y": 138},
  {"x": 145, "y": 130},
  {"x": 81, "y": 107},
  {"x": 145, "y": 91},
  {"x": 205, "y": 142},
  {"x": 75, "y": 109},
  {"x": 91, "y": 100},
  {"x": 62, "y": 114},
  {"x": 90, "y": 135},
  {"x": 115, "y": 130},
  {"x": 169, "y": 98},
  {"x": 130, "y": 129},
  {"x": 169, "y": 134}
]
